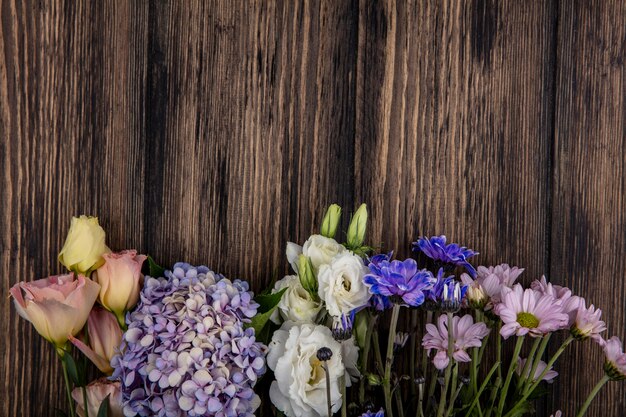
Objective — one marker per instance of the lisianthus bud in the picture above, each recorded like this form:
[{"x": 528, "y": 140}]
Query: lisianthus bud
[
  {"x": 84, "y": 245},
  {"x": 120, "y": 279},
  {"x": 105, "y": 337},
  {"x": 57, "y": 306},
  {"x": 306, "y": 275},
  {"x": 357, "y": 228},
  {"x": 331, "y": 221},
  {"x": 97, "y": 391}
]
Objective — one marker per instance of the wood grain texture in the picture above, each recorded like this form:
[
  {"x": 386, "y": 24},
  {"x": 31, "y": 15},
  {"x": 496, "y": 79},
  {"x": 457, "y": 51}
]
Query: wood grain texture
[
  {"x": 216, "y": 131},
  {"x": 589, "y": 198}
]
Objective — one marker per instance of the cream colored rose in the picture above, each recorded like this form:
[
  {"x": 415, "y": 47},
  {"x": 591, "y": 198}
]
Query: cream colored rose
[
  {"x": 300, "y": 386},
  {"x": 296, "y": 303},
  {"x": 97, "y": 391},
  {"x": 341, "y": 284},
  {"x": 57, "y": 306},
  {"x": 84, "y": 245},
  {"x": 121, "y": 280},
  {"x": 321, "y": 250}
]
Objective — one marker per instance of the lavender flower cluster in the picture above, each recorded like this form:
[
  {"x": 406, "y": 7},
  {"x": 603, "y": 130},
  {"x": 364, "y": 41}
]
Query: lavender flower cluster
[{"x": 186, "y": 351}]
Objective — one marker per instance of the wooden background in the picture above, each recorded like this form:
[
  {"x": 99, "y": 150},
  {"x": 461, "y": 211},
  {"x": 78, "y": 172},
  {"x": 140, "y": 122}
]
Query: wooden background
[{"x": 215, "y": 131}]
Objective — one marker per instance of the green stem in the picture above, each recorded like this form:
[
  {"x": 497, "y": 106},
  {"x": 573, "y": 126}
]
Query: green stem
[
  {"x": 344, "y": 397},
  {"x": 420, "y": 404},
  {"x": 538, "y": 356},
  {"x": 378, "y": 357},
  {"x": 592, "y": 395},
  {"x": 509, "y": 375},
  {"x": 68, "y": 388},
  {"x": 530, "y": 359},
  {"x": 395, "y": 313},
  {"x": 446, "y": 380},
  {"x": 399, "y": 402},
  {"x": 499, "y": 347},
  {"x": 482, "y": 388},
  {"x": 532, "y": 387},
  {"x": 413, "y": 347},
  {"x": 85, "y": 402},
  {"x": 365, "y": 356},
  {"x": 328, "y": 403},
  {"x": 494, "y": 394},
  {"x": 453, "y": 390}
]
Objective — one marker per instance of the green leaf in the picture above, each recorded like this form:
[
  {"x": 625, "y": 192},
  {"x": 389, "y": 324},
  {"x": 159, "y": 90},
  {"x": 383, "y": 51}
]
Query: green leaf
[
  {"x": 103, "y": 411},
  {"x": 260, "y": 322},
  {"x": 268, "y": 302},
  {"x": 360, "y": 326},
  {"x": 72, "y": 370},
  {"x": 155, "y": 269}
]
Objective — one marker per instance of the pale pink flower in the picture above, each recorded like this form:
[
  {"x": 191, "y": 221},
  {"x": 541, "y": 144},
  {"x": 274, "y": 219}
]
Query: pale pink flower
[
  {"x": 491, "y": 280},
  {"x": 121, "y": 280},
  {"x": 105, "y": 337},
  {"x": 528, "y": 312},
  {"x": 57, "y": 306},
  {"x": 588, "y": 323},
  {"x": 557, "y": 414},
  {"x": 615, "y": 365},
  {"x": 541, "y": 366},
  {"x": 97, "y": 391},
  {"x": 562, "y": 295},
  {"x": 466, "y": 334}
]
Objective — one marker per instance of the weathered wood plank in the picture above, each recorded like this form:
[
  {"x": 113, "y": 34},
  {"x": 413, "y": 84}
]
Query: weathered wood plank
[
  {"x": 253, "y": 122},
  {"x": 589, "y": 199},
  {"x": 453, "y": 125}
]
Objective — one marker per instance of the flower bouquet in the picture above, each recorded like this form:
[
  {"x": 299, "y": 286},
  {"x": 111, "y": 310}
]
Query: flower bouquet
[{"x": 350, "y": 332}]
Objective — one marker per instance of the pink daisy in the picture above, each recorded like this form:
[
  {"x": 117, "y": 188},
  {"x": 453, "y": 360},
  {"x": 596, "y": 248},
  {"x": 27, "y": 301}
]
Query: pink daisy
[
  {"x": 491, "y": 280},
  {"x": 541, "y": 366},
  {"x": 562, "y": 295},
  {"x": 466, "y": 334},
  {"x": 615, "y": 364},
  {"x": 588, "y": 323},
  {"x": 557, "y": 414},
  {"x": 528, "y": 312}
]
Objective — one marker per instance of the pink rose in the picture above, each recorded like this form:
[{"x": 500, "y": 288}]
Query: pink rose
[
  {"x": 120, "y": 279},
  {"x": 97, "y": 391},
  {"x": 57, "y": 306},
  {"x": 105, "y": 337}
]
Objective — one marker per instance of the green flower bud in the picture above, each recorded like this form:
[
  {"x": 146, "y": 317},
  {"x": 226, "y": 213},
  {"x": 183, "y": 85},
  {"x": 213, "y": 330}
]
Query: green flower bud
[
  {"x": 356, "y": 230},
  {"x": 374, "y": 380},
  {"x": 307, "y": 276},
  {"x": 331, "y": 221}
]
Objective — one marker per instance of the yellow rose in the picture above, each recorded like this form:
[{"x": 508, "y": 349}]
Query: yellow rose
[{"x": 84, "y": 246}]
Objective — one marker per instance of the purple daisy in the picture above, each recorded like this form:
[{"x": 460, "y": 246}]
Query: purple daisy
[
  {"x": 399, "y": 280},
  {"x": 436, "y": 248}
]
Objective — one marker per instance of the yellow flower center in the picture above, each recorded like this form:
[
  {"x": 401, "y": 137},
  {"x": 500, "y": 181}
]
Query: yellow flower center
[
  {"x": 527, "y": 320},
  {"x": 317, "y": 372}
]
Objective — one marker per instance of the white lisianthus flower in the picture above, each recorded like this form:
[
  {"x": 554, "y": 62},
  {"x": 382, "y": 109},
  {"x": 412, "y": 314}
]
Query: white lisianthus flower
[
  {"x": 293, "y": 252},
  {"x": 321, "y": 250},
  {"x": 296, "y": 303},
  {"x": 300, "y": 386},
  {"x": 341, "y": 284}
]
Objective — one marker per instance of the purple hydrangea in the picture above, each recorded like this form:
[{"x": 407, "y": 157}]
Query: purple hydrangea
[
  {"x": 399, "y": 280},
  {"x": 453, "y": 254},
  {"x": 186, "y": 351}
]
